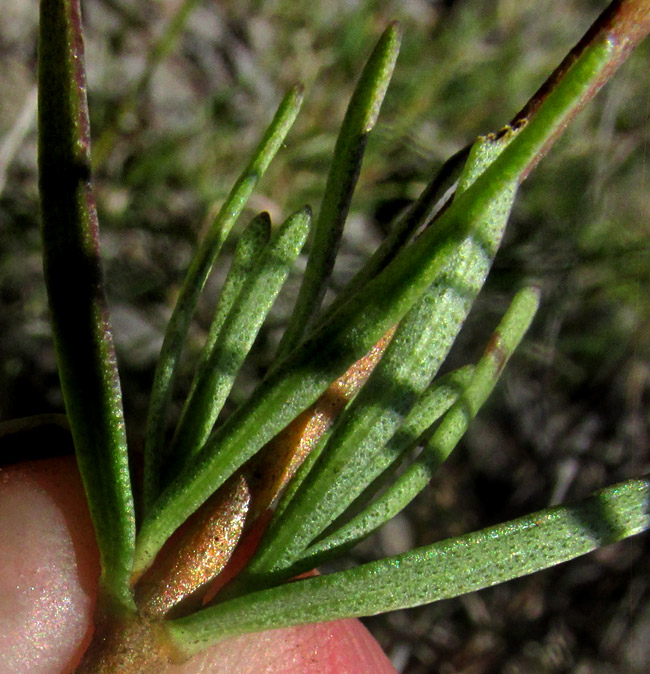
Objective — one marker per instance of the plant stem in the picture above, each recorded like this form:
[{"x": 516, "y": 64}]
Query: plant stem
[
  {"x": 622, "y": 25},
  {"x": 129, "y": 645}
]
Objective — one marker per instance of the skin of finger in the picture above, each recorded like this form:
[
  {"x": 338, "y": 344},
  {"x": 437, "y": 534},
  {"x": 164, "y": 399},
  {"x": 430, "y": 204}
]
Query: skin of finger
[{"x": 48, "y": 576}]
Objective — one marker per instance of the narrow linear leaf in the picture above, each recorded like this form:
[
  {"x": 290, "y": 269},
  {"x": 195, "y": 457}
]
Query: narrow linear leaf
[
  {"x": 284, "y": 394},
  {"x": 622, "y": 25},
  {"x": 446, "y": 569},
  {"x": 358, "y": 450},
  {"x": 73, "y": 276},
  {"x": 443, "y": 441},
  {"x": 207, "y": 543},
  {"x": 360, "y": 323},
  {"x": 238, "y": 334},
  {"x": 249, "y": 248},
  {"x": 359, "y": 120},
  {"x": 275, "y": 465},
  {"x": 432, "y": 405},
  {"x": 194, "y": 282}
]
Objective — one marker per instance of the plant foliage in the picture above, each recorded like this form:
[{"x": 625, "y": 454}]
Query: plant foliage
[{"x": 412, "y": 298}]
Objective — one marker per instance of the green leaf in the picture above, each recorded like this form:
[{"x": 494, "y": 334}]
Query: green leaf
[
  {"x": 218, "y": 370},
  {"x": 446, "y": 569},
  {"x": 250, "y": 245},
  {"x": 194, "y": 282},
  {"x": 73, "y": 276},
  {"x": 435, "y": 401},
  {"x": 440, "y": 396},
  {"x": 427, "y": 205},
  {"x": 359, "y": 120}
]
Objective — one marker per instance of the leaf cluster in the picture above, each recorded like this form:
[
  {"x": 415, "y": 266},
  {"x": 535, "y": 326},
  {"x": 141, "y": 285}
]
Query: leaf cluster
[{"x": 379, "y": 452}]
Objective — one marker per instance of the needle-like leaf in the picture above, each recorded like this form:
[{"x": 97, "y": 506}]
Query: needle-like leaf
[
  {"x": 427, "y": 205},
  {"x": 439, "y": 571},
  {"x": 358, "y": 450},
  {"x": 251, "y": 243},
  {"x": 359, "y": 120},
  {"x": 73, "y": 276},
  {"x": 426, "y": 412}
]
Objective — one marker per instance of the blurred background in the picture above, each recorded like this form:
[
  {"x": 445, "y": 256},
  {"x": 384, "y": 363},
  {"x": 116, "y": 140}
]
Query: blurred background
[{"x": 180, "y": 93}]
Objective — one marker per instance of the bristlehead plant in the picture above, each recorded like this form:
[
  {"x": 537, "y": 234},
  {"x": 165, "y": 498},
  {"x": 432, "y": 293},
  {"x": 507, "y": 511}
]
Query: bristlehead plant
[{"x": 324, "y": 450}]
